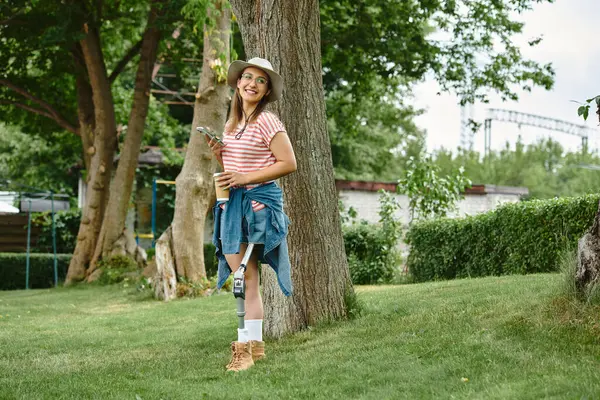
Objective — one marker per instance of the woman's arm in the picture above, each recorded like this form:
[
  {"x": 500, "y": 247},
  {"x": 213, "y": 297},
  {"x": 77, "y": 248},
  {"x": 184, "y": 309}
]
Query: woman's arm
[{"x": 286, "y": 163}]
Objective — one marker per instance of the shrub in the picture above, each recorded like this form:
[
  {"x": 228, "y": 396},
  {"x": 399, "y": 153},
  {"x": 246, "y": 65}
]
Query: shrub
[
  {"x": 150, "y": 253},
  {"x": 66, "y": 224},
  {"x": 201, "y": 288},
  {"x": 211, "y": 263},
  {"x": 116, "y": 268},
  {"x": 123, "y": 269},
  {"x": 41, "y": 270},
  {"x": 368, "y": 255},
  {"x": 371, "y": 248},
  {"x": 429, "y": 193},
  {"x": 516, "y": 238},
  {"x": 186, "y": 288}
]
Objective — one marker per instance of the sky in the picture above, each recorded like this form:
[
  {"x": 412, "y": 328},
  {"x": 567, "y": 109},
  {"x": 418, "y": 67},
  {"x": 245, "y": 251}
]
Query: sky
[{"x": 571, "y": 42}]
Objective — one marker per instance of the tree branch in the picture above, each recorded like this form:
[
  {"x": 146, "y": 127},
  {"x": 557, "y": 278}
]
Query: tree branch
[
  {"x": 11, "y": 17},
  {"x": 49, "y": 107},
  {"x": 125, "y": 60},
  {"x": 61, "y": 121},
  {"x": 51, "y": 113}
]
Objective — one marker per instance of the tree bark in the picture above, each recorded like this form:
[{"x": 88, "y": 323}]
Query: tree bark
[
  {"x": 587, "y": 274},
  {"x": 102, "y": 153},
  {"x": 165, "y": 277},
  {"x": 120, "y": 193},
  {"x": 85, "y": 108},
  {"x": 194, "y": 185},
  {"x": 287, "y": 33}
]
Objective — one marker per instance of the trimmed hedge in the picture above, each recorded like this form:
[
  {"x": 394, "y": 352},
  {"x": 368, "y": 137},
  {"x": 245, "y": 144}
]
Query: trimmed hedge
[
  {"x": 41, "y": 270},
  {"x": 516, "y": 238}
]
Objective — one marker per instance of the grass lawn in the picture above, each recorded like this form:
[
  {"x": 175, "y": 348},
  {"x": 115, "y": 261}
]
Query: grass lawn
[{"x": 490, "y": 338}]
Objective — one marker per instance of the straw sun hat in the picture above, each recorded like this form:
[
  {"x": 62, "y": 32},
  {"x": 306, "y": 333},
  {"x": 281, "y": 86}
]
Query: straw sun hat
[{"x": 237, "y": 67}]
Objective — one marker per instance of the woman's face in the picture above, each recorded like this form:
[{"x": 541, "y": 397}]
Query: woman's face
[{"x": 253, "y": 85}]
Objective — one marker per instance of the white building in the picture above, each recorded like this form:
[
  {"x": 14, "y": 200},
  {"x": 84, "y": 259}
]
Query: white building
[{"x": 363, "y": 197}]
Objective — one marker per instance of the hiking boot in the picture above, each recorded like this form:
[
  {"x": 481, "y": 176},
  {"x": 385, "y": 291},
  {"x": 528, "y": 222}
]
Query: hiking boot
[
  {"x": 241, "y": 356},
  {"x": 258, "y": 349}
]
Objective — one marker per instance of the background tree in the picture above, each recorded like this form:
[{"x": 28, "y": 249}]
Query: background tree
[
  {"x": 114, "y": 222},
  {"x": 374, "y": 52},
  {"x": 287, "y": 33},
  {"x": 544, "y": 167},
  {"x": 75, "y": 50},
  {"x": 370, "y": 138},
  {"x": 195, "y": 187},
  {"x": 22, "y": 154},
  {"x": 49, "y": 42},
  {"x": 104, "y": 241}
]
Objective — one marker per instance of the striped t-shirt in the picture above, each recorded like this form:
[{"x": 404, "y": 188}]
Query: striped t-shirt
[{"x": 251, "y": 151}]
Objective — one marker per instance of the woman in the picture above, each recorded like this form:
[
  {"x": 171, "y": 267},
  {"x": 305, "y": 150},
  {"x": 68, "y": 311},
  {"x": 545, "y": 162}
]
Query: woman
[{"x": 257, "y": 151}]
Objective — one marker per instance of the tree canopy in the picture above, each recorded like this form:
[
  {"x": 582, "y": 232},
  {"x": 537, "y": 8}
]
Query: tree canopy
[
  {"x": 373, "y": 53},
  {"x": 42, "y": 60}
]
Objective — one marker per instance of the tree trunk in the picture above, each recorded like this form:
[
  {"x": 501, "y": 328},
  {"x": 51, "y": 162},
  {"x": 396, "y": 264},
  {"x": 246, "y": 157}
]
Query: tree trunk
[
  {"x": 194, "y": 185},
  {"x": 287, "y": 33},
  {"x": 101, "y": 157},
  {"x": 587, "y": 275},
  {"x": 85, "y": 108},
  {"x": 165, "y": 278},
  {"x": 120, "y": 193}
]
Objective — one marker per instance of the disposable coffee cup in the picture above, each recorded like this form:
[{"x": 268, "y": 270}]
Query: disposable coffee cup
[{"x": 222, "y": 193}]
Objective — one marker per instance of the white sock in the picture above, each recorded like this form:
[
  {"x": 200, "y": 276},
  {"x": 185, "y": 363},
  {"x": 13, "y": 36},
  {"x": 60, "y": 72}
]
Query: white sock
[
  {"x": 243, "y": 336},
  {"x": 254, "y": 327}
]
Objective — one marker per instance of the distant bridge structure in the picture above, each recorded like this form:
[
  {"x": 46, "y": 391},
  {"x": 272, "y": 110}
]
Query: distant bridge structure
[{"x": 538, "y": 121}]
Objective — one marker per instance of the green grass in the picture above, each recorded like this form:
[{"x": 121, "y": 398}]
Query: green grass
[{"x": 490, "y": 338}]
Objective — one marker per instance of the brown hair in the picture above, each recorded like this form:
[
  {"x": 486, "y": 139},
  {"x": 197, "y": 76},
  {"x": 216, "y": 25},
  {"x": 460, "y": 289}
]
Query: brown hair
[{"x": 236, "y": 113}]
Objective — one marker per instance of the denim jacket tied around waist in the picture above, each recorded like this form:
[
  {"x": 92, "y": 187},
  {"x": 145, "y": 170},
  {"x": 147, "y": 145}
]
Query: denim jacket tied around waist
[{"x": 227, "y": 238}]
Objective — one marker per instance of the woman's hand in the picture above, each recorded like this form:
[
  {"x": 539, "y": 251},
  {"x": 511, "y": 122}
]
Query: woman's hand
[
  {"x": 229, "y": 179},
  {"x": 216, "y": 148}
]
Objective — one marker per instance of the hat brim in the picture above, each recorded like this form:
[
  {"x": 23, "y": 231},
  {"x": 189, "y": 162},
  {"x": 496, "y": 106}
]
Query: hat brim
[{"x": 237, "y": 67}]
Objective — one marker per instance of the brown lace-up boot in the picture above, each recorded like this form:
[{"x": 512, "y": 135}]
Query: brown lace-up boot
[
  {"x": 258, "y": 349},
  {"x": 241, "y": 356}
]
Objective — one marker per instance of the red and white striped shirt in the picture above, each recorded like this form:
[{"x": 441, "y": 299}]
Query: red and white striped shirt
[{"x": 251, "y": 151}]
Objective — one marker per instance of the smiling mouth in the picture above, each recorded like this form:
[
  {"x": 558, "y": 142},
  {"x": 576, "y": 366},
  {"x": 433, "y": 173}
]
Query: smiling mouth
[{"x": 253, "y": 92}]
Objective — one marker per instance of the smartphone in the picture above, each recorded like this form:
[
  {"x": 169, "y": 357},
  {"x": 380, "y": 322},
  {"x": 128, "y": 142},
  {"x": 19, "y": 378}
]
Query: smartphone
[{"x": 210, "y": 135}]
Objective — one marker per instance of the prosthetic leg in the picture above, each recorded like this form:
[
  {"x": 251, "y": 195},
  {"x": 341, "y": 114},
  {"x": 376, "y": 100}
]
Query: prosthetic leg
[
  {"x": 239, "y": 286},
  {"x": 242, "y": 349}
]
